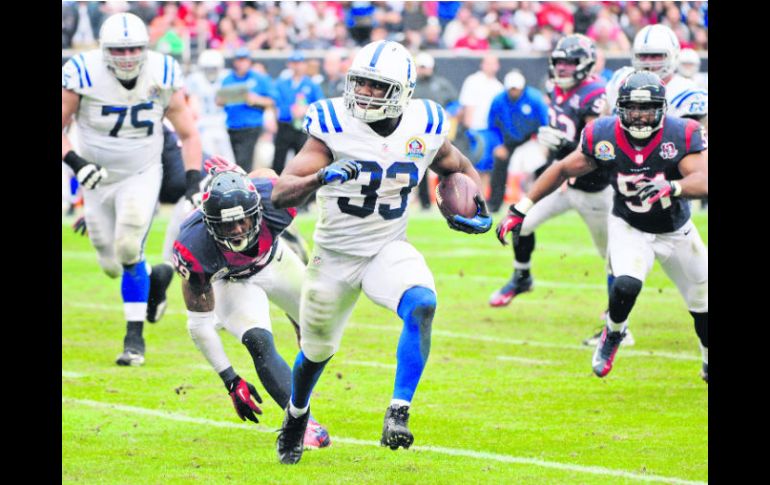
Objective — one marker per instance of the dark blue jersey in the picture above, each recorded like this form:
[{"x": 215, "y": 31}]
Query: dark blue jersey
[
  {"x": 568, "y": 112},
  {"x": 198, "y": 256},
  {"x": 606, "y": 143}
]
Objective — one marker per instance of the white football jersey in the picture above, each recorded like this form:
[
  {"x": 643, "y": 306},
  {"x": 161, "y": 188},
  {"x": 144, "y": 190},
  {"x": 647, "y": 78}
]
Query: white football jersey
[
  {"x": 684, "y": 97},
  {"x": 211, "y": 114},
  {"x": 361, "y": 216},
  {"x": 120, "y": 129}
]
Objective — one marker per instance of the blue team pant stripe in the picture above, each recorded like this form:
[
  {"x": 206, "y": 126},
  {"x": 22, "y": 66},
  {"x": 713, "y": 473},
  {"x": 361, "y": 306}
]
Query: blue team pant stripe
[
  {"x": 440, "y": 118},
  {"x": 321, "y": 117},
  {"x": 377, "y": 53},
  {"x": 687, "y": 95},
  {"x": 430, "y": 115},
  {"x": 85, "y": 69},
  {"x": 165, "y": 69},
  {"x": 333, "y": 116},
  {"x": 80, "y": 74}
]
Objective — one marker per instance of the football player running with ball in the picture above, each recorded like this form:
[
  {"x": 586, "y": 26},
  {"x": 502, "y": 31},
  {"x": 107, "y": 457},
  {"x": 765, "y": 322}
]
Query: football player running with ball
[
  {"x": 231, "y": 261},
  {"x": 656, "y": 162},
  {"x": 366, "y": 151},
  {"x": 118, "y": 95}
]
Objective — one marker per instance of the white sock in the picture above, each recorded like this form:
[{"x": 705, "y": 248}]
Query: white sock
[
  {"x": 518, "y": 265},
  {"x": 297, "y": 412},
  {"x": 616, "y": 327},
  {"x": 400, "y": 402}
]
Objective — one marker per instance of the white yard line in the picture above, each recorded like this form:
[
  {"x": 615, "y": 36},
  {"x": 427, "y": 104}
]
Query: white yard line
[
  {"x": 593, "y": 470},
  {"x": 445, "y": 334},
  {"x": 523, "y": 360},
  {"x": 71, "y": 375}
]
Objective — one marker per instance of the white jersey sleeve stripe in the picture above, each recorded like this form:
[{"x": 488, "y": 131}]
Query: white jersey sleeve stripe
[
  {"x": 686, "y": 95},
  {"x": 80, "y": 73},
  {"x": 321, "y": 117},
  {"x": 165, "y": 69},
  {"x": 440, "y": 111},
  {"x": 333, "y": 115},
  {"x": 85, "y": 69}
]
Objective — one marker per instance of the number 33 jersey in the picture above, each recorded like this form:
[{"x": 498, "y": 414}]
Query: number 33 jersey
[
  {"x": 605, "y": 142},
  {"x": 120, "y": 129},
  {"x": 361, "y": 216}
]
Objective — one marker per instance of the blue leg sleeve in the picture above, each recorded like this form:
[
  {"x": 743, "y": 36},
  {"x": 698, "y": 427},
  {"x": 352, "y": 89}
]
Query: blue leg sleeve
[
  {"x": 135, "y": 287},
  {"x": 416, "y": 309},
  {"x": 304, "y": 377}
]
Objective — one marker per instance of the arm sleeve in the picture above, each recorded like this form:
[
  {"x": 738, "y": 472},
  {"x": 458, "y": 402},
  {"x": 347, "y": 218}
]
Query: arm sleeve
[{"x": 202, "y": 329}]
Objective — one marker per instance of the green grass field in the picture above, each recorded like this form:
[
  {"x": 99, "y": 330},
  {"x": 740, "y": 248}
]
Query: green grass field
[{"x": 508, "y": 395}]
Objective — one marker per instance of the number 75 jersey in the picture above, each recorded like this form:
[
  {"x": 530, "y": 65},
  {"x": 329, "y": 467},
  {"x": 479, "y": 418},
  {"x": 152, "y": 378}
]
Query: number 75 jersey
[
  {"x": 120, "y": 129},
  {"x": 360, "y": 216}
]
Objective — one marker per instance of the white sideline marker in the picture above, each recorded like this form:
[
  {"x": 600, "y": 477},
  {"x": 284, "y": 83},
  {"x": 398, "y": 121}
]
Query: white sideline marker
[{"x": 594, "y": 470}]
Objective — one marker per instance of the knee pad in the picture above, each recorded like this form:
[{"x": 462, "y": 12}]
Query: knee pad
[
  {"x": 128, "y": 248},
  {"x": 318, "y": 351},
  {"x": 698, "y": 298},
  {"x": 626, "y": 286},
  {"x": 111, "y": 267},
  {"x": 419, "y": 302}
]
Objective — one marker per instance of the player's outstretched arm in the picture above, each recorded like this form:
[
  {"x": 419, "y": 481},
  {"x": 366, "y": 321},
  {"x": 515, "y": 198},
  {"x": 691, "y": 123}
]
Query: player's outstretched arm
[
  {"x": 180, "y": 115},
  {"x": 299, "y": 178},
  {"x": 573, "y": 165},
  {"x": 695, "y": 170},
  {"x": 89, "y": 174}
]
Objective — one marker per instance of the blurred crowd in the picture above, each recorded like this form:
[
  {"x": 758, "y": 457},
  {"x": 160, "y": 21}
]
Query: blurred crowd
[{"x": 186, "y": 28}]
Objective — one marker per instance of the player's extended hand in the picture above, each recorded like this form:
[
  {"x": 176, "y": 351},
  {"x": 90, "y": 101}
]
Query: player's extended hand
[
  {"x": 551, "y": 138},
  {"x": 216, "y": 164},
  {"x": 511, "y": 223},
  {"x": 478, "y": 224},
  {"x": 241, "y": 393},
  {"x": 340, "y": 171},
  {"x": 90, "y": 175},
  {"x": 652, "y": 190},
  {"x": 80, "y": 226},
  {"x": 193, "y": 191}
]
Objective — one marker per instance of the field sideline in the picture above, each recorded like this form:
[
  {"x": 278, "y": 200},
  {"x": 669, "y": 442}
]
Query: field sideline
[{"x": 508, "y": 395}]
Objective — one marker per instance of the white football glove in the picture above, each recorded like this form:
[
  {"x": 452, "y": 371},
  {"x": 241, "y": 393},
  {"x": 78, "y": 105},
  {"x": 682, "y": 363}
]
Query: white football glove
[
  {"x": 551, "y": 138},
  {"x": 90, "y": 175}
]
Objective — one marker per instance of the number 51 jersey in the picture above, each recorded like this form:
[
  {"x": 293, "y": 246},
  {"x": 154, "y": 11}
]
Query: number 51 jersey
[
  {"x": 605, "y": 141},
  {"x": 120, "y": 129},
  {"x": 361, "y": 216}
]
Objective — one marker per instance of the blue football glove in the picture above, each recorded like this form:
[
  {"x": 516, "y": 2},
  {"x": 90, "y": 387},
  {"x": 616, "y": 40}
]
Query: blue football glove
[
  {"x": 479, "y": 224},
  {"x": 340, "y": 171}
]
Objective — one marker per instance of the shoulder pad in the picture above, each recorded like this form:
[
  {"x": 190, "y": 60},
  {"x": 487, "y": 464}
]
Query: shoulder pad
[
  {"x": 165, "y": 70},
  {"x": 323, "y": 118}
]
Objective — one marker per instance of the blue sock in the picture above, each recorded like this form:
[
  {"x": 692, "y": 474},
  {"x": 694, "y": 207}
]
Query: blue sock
[
  {"x": 304, "y": 376},
  {"x": 135, "y": 289},
  {"x": 416, "y": 309}
]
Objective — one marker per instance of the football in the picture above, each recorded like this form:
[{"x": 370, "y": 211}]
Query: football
[{"x": 454, "y": 195}]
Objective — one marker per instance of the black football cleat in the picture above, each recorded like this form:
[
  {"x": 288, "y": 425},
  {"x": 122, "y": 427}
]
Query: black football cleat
[
  {"x": 516, "y": 285},
  {"x": 133, "y": 352},
  {"x": 604, "y": 355},
  {"x": 591, "y": 341},
  {"x": 290, "y": 442},
  {"x": 160, "y": 278},
  {"x": 395, "y": 430}
]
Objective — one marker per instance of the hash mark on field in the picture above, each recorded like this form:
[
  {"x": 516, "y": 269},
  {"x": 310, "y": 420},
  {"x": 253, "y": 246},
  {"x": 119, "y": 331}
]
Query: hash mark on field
[
  {"x": 72, "y": 375},
  {"x": 523, "y": 360},
  {"x": 482, "y": 455}
]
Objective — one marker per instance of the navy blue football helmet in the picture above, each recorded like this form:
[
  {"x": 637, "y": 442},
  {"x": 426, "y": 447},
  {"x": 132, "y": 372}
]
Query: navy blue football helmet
[
  {"x": 641, "y": 104},
  {"x": 232, "y": 210},
  {"x": 580, "y": 51}
]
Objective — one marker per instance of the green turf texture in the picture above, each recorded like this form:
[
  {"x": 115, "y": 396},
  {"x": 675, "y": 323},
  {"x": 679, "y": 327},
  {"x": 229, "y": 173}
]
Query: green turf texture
[{"x": 511, "y": 381}]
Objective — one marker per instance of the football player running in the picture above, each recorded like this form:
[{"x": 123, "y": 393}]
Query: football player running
[
  {"x": 656, "y": 49},
  {"x": 366, "y": 151},
  {"x": 656, "y": 163},
  {"x": 117, "y": 95},
  {"x": 232, "y": 261},
  {"x": 577, "y": 98}
]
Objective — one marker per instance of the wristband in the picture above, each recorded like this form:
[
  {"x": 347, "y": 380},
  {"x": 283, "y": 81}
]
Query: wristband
[
  {"x": 523, "y": 205},
  {"x": 75, "y": 161},
  {"x": 676, "y": 189}
]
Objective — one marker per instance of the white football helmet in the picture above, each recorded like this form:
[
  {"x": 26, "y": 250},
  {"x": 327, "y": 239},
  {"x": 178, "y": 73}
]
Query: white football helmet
[
  {"x": 388, "y": 63},
  {"x": 211, "y": 62},
  {"x": 689, "y": 63},
  {"x": 124, "y": 30},
  {"x": 656, "y": 39}
]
